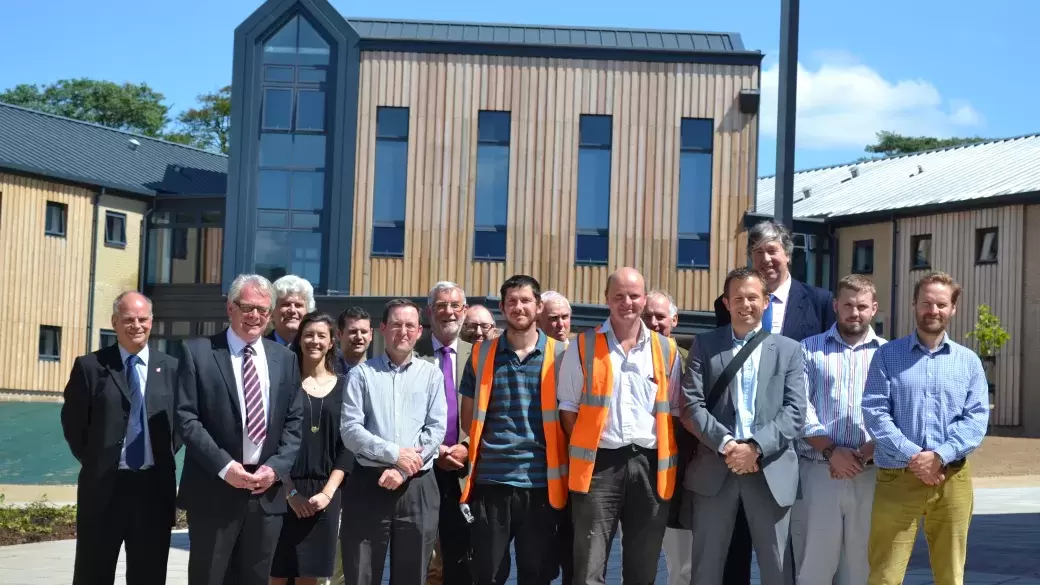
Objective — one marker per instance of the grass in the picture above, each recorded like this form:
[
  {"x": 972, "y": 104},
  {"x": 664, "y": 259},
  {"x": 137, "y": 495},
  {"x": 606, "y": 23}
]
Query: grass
[{"x": 43, "y": 521}]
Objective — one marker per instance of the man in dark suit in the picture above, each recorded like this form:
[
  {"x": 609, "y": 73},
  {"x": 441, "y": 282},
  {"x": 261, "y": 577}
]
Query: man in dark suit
[
  {"x": 446, "y": 311},
  {"x": 795, "y": 310},
  {"x": 240, "y": 412},
  {"x": 118, "y": 421},
  {"x": 747, "y": 435}
]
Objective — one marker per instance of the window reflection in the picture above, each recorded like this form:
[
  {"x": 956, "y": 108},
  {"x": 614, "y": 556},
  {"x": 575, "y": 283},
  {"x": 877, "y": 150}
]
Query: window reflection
[{"x": 182, "y": 250}]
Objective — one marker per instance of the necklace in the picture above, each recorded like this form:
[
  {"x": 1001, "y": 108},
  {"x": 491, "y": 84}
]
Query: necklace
[
  {"x": 315, "y": 422},
  {"x": 316, "y": 386}
]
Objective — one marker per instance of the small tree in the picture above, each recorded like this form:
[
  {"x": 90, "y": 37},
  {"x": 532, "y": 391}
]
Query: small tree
[{"x": 989, "y": 336}]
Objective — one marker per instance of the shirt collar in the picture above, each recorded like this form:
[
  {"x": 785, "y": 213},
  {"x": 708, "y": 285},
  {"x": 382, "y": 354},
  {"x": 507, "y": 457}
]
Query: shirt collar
[
  {"x": 437, "y": 345},
  {"x": 279, "y": 339},
  {"x": 944, "y": 344},
  {"x": 389, "y": 363},
  {"x": 143, "y": 354},
  {"x": 871, "y": 337},
  {"x": 644, "y": 331},
  {"x": 750, "y": 334},
  {"x": 236, "y": 344},
  {"x": 783, "y": 291},
  {"x": 539, "y": 346}
]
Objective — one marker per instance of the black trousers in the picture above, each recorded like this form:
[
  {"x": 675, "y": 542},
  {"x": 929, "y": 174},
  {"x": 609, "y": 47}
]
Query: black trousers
[
  {"x": 565, "y": 530},
  {"x": 738, "y": 560},
  {"x": 453, "y": 531},
  {"x": 134, "y": 518},
  {"x": 232, "y": 549},
  {"x": 623, "y": 489},
  {"x": 502, "y": 514}
]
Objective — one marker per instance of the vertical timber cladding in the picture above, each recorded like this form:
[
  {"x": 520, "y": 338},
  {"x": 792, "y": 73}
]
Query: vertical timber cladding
[
  {"x": 998, "y": 285},
  {"x": 45, "y": 280},
  {"x": 546, "y": 98}
]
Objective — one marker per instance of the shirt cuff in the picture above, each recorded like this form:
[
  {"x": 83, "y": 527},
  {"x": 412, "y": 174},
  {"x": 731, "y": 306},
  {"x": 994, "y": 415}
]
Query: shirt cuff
[
  {"x": 946, "y": 453},
  {"x": 393, "y": 452},
  {"x": 811, "y": 431},
  {"x": 725, "y": 441},
  {"x": 568, "y": 406},
  {"x": 223, "y": 472},
  {"x": 908, "y": 448}
]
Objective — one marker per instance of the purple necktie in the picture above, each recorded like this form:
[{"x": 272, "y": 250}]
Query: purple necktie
[{"x": 452, "y": 435}]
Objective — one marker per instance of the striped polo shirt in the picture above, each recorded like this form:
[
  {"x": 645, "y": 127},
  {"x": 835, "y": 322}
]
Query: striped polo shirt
[{"x": 512, "y": 445}]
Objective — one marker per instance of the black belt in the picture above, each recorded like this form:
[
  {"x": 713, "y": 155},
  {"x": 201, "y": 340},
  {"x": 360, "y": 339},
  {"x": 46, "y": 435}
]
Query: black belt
[
  {"x": 955, "y": 465},
  {"x": 630, "y": 449}
]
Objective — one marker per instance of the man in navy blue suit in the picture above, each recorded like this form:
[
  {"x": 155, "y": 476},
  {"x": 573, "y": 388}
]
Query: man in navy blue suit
[{"x": 796, "y": 310}]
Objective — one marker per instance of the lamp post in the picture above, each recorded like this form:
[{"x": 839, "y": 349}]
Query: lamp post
[{"x": 783, "y": 207}]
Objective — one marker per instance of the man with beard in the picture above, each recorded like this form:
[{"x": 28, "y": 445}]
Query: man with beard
[
  {"x": 925, "y": 405},
  {"x": 796, "y": 310},
  {"x": 517, "y": 454},
  {"x": 744, "y": 400},
  {"x": 830, "y": 524},
  {"x": 478, "y": 325},
  {"x": 555, "y": 318},
  {"x": 445, "y": 309},
  {"x": 614, "y": 405},
  {"x": 294, "y": 298},
  {"x": 661, "y": 315}
]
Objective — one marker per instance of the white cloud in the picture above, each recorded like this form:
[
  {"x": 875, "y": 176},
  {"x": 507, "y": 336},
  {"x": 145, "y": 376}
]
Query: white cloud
[{"x": 844, "y": 103}]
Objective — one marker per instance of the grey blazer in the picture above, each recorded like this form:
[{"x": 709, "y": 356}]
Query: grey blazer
[{"x": 779, "y": 412}]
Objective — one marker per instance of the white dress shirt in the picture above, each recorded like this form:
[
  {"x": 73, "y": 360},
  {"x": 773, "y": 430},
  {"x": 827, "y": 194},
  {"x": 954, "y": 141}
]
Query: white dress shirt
[
  {"x": 630, "y": 419},
  {"x": 744, "y": 416},
  {"x": 779, "y": 300},
  {"x": 437, "y": 345},
  {"x": 142, "y": 377},
  {"x": 250, "y": 452}
]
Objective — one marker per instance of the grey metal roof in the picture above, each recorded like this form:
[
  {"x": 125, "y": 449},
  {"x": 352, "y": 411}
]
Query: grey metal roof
[
  {"x": 950, "y": 175},
  {"x": 71, "y": 150},
  {"x": 548, "y": 36}
]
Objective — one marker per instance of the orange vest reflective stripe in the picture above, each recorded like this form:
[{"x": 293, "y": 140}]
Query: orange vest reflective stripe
[
  {"x": 594, "y": 356},
  {"x": 483, "y": 361}
]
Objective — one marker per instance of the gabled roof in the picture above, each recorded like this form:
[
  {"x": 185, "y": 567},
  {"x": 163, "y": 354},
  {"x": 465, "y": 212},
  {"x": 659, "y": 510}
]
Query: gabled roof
[
  {"x": 71, "y": 150},
  {"x": 549, "y": 36},
  {"x": 957, "y": 174}
]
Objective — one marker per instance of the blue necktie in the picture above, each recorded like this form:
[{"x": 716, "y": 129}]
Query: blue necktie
[
  {"x": 747, "y": 391},
  {"x": 767, "y": 315},
  {"x": 135, "y": 424}
]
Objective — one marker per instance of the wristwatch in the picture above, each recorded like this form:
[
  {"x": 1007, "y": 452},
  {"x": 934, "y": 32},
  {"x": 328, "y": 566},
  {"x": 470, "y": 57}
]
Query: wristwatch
[
  {"x": 828, "y": 452},
  {"x": 291, "y": 494}
]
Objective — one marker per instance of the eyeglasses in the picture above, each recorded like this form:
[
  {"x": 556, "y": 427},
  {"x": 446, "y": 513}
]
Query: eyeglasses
[
  {"x": 455, "y": 307},
  {"x": 407, "y": 327},
  {"x": 485, "y": 327},
  {"x": 260, "y": 310}
]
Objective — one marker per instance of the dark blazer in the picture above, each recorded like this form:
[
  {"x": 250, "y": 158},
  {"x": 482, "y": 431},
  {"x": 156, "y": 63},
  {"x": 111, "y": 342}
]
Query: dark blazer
[
  {"x": 424, "y": 349},
  {"x": 210, "y": 422},
  {"x": 94, "y": 420},
  {"x": 809, "y": 311}
]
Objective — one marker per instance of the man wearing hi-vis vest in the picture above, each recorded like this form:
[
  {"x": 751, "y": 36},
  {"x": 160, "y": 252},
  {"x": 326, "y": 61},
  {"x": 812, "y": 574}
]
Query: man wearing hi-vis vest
[
  {"x": 517, "y": 451},
  {"x": 615, "y": 408}
]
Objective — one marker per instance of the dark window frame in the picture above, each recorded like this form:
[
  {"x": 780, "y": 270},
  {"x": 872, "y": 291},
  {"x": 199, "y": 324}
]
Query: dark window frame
[
  {"x": 179, "y": 226},
  {"x": 45, "y": 334},
  {"x": 381, "y": 229},
  {"x": 501, "y": 231},
  {"x": 862, "y": 245},
  {"x": 980, "y": 240},
  {"x": 915, "y": 243},
  {"x": 62, "y": 230},
  {"x": 109, "y": 333},
  {"x": 110, "y": 241},
  {"x": 589, "y": 233},
  {"x": 688, "y": 145}
]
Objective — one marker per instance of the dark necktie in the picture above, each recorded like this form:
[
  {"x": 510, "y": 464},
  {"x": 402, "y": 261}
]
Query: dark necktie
[
  {"x": 256, "y": 421},
  {"x": 452, "y": 435},
  {"x": 767, "y": 316},
  {"x": 135, "y": 424}
]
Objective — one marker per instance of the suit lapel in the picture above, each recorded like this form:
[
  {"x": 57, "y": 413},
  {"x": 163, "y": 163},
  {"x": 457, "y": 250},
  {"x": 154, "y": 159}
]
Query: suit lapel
[
  {"x": 154, "y": 389},
  {"x": 274, "y": 373},
  {"x": 766, "y": 371},
  {"x": 725, "y": 356},
  {"x": 797, "y": 305},
  {"x": 116, "y": 370},
  {"x": 463, "y": 353},
  {"x": 222, "y": 355}
]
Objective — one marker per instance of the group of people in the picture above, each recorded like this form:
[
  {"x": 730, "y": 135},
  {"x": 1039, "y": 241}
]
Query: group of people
[{"x": 792, "y": 430}]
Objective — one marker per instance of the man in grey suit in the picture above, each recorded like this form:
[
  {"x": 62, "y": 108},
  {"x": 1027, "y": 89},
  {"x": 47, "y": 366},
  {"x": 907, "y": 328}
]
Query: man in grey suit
[{"x": 746, "y": 431}]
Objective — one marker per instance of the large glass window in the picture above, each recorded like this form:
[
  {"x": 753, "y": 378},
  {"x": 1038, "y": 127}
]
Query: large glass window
[
  {"x": 291, "y": 190},
  {"x": 593, "y": 207},
  {"x": 695, "y": 157},
  {"x": 391, "y": 182},
  {"x": 492, "y": 205},
  {"x": 185, "y": 247}
]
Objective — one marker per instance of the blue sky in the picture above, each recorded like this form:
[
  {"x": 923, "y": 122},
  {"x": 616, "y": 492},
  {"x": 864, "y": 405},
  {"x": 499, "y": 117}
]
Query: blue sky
[{"x": 917, "y": 67}]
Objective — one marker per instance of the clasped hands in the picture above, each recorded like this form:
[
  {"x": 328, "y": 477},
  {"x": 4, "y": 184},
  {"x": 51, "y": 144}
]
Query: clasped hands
[
  {"x": 741, "y": 458},
  {"x": 847, "y": 463},
  {"x": 257, "y": 483},
  {"x": 307, "y": 507},
  {"x": 409, "y": 462},
  {"x": 928, "y": 467},
  {"x": 452, "y": 458}
]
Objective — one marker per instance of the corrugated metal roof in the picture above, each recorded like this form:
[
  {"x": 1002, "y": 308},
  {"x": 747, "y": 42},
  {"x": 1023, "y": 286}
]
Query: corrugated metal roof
[
  {"x": 554, "y": 36},
  {"x": 68, "y": 149},
  {"x": 978, "y": 171}
]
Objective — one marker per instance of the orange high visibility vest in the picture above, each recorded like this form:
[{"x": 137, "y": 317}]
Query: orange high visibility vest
[
  {"x": 483, "y": 360},
  {"x": 594, "y": 356}
]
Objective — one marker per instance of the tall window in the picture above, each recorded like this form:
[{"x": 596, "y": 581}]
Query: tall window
[
  {"x": 291, "y": 183},
  {"x": 115, "y": 229},
  {"x": 696, "y": 136},
  {"x": 863, "y": 257},
  {"x": 489, "y": 236},
  {"x": 986, "y": 245},
  {"x": 54, "y": 222},
  {"x": 185, "y": 247},
  {"x": 50, "y": 343},
  {"x": 391, "y": 182},
  {"x": 921, "y": 248},
  {"x": 593, "y": 222}
]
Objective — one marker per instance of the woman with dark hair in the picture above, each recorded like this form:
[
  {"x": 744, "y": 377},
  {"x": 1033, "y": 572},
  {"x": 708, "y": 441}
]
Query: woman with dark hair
[{"x": 307, "y": 546}]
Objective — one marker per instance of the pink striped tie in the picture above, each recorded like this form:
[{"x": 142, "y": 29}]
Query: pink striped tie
[{"x": 256, "y": 422}]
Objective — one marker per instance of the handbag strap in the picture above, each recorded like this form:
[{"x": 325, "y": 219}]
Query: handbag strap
[{"x": 722, "y": 382}]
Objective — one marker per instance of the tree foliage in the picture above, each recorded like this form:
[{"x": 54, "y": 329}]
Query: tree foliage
[
  {"x": 208, "y": 125},
  {"x": 891, "y": 144},
  {"x": 131, "y": 107}
]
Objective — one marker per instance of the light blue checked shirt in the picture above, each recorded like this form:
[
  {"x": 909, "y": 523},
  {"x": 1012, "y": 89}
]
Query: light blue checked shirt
[
  {"x": 835, "y": 375},
  {"x": 918, "y": 400}
]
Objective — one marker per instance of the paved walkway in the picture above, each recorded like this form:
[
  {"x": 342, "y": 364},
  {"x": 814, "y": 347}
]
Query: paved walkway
[{"x": 1002, "y": 549}]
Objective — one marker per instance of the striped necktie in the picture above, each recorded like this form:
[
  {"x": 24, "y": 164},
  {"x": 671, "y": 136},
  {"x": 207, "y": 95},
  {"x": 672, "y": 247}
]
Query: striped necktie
[{"x": 256, "y": 421}]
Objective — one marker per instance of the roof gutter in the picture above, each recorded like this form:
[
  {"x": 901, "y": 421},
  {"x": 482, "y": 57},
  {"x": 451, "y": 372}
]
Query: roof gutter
[
  {"x": 93, "y": 268},
  {"x": 142, "y": 260}
]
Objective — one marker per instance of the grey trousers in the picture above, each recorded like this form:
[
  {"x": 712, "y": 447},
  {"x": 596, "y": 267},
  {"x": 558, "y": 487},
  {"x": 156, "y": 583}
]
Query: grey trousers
[
  {"x": 375, "y": 520},
  {"x": 713, "y": 520},
  {"x": 624, "y": 488}
]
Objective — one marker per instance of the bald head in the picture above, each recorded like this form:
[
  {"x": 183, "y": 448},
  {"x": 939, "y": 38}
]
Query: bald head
[
  {"x": 479, "y": 324},
  {"x": 626, "y": 297},
  {"x": 132, "y": 320}
]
